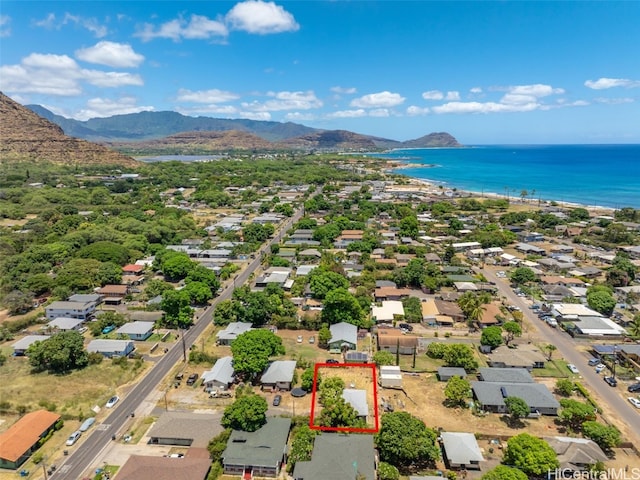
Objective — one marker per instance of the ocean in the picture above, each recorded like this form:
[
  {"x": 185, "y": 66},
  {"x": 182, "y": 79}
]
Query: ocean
[{"x": 591, "y": 175}]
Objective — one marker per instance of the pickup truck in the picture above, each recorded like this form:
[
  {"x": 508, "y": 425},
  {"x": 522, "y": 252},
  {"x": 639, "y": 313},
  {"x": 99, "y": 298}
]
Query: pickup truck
[{"x": 220, "y": 394}]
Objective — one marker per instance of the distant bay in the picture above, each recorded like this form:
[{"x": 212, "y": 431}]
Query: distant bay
[{"x": 591, "y": 175}]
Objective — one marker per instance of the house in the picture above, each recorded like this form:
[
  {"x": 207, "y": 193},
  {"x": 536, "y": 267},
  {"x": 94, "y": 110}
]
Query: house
[
  {"x": 461, "y": 450},
  {"x": 65, "y": 324},
  {"x": 490, "y": 396},
  {"x": 20, "y": 347},
  {"x": 85, "y": 298},
  {"x": 111, "y": 348},
  {"x": 221, "y": 376},
  {"x": 445, "y": 373},
  {"x": 184, "y": 429},
  {"x": 390, "y": 293},
  {"x": 231, "y": 332},
  {"x": 261, "y": 453},
  {"x": 530, "y": 237},
  {"x": 114, "y": 291},
  {"x": 69, "y": 309},
  {"x": 132, "y": 269},
  {"x": 389, "y": 311},
  {"x": 597, "y": 327},
  {"x": 391, "y": 339},
  {"x": 525, "y": 356},
  {"x": 137, "y": 330},
  {"x": 390, "y": 376},
  {"x": 279, "y": 375},
  {"x": 490, "y": 315},
  {"x": 146, "y": 467},
  {"x": 357, "y": 398},
  {"x": 440, "y": 312},
  {"x": 344, "y": 336},
  {"x": 338, "y": 456},
  {"x": 506, "y": 375},
  {"x": 576, "y": 454},
  {"x": 20, "y": 440}
]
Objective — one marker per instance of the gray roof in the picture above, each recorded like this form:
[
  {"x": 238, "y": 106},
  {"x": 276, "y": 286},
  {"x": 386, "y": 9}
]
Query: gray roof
[
  {"x": 338, "y": 457},
  {"x": 279, "y": 371},
  {"x": 344, "y": 332},
  {"x": 85, "y": 297},
  {"x": 106, "y": 345},
  {"x": 461, "y": 448},
  {"x": 575, "y": 453},
  {"x": 262, "y": 448},
  {"x": 233, "y": 330},
  {"x": 136, "y": 328},
  {"x": 452, "y": 372},
  {"x": 222, "y": 371},
  {"x": 25, "y": 342},
  {"x": 535, "y": 394},
  {"x": 508, "y": 375},
  {"x": 199, "y": 427},
  {"x": 61, "y": 305},
  {"x": 357, "y": 399},
  {"x": 65, "y": 323}
]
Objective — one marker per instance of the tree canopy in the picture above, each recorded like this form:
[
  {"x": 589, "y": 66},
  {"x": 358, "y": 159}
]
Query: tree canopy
[
  {"x": 252, "y": 349},
  {"x": 457, "y": 391},
  {"x": 404, "y": 440},
  {"x": 530, "y": 454},
  {"x": 247, "y": 413},
  {"x": 502, "y": 472},
  {"x": 491, "y": 336},
  {"x": 61, "y": 353}
]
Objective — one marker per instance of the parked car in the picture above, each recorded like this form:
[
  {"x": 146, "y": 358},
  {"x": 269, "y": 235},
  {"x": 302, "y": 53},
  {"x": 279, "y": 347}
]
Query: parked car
[
  {"x": 573, "y": 368},
  {"x": 276, "y": 400},
  {"x": 332, "y": 361},
  {"x": 299, "y": 339},
  {"x": 73, "y": 438},
  {"x": 594, "y": 361},
  {"x": 192, "y": 379},
  {"x": 406, "y": 326},
  {"x": 633, "y": 388},
  {"x": 611, "y": 381},
  {"x": 312, "y": 339},
  {"x": 179, "y": 376},
  {"x": 112, "y": 401},
  {"x": 600, "y": 367},
  {"x": 634, "y": 401}
]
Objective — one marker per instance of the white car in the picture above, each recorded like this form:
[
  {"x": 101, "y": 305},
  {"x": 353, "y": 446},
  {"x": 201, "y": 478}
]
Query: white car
[
  {"x": 299, "y": 339},
  {"x": 634, "y": 401},
  {"x": 573, "y": 368},
  {"x": 600, "y": 367},
  {"x": 73, "y": 438},
  {"x": 112, "y": 401}
]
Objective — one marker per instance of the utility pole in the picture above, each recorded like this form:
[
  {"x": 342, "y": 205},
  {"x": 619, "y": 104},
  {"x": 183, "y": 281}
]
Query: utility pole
[{"x": 184, "y": 347}]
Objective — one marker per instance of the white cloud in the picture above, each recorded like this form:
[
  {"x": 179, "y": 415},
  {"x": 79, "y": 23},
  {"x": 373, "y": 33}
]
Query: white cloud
[
  {"x": 378, "y": 100},
  {"x": 348, "y": 114},
  {"x": 476, "y": 90},
  {"x": 111, "y": 54},
  {"x": 415, "y": 111},
  {"x": 5, "y": 29},
  {"x": 57, "y": 75},
  {"x": 206, "y": 96},
  {"x": 256, "y": 16},
  {"x": 299, "y": 117},
  {"x": 105, "y": 107},
  {"x": 264, "y": 116},
  {"x": 344, "y": 90},
  {"x": 535, "y": 90},
  {"x": 487, "y": 107},
  {"x": 285, "y": 101},
  {"x": 604, "y": 83},
  {"x": 453, "y": 95},
  {"x": 51, "y": 22},
  {"x": 613, "y": 101},
  {"x": 433, "y": 95},
  {"x": 226, "y": 110},
  {"x": 518, "y": 99},
  {"x": 198, "y": 27}
]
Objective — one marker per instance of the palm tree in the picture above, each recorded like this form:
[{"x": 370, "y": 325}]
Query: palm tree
[
  {"x": 550, "y": 349},
  {"x": 634, "y": 327}
]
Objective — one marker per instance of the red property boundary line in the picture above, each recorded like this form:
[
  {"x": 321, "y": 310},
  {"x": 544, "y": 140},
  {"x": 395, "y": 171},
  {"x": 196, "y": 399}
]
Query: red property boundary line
[{"x": 372, "y": 367}]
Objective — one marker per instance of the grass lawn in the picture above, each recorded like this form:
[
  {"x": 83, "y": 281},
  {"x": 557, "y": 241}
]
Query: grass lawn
[{"x": 554, "y": 368}]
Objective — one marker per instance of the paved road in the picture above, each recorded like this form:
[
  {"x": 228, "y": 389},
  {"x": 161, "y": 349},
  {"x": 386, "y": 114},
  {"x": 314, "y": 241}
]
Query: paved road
[
  {"x": 615, "y": 406},
  {"x": 84, "y": 457}
]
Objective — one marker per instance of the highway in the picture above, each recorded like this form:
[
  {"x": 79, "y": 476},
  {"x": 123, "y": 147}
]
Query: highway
[
  {"x": 615, "y": 406},
  {"x": 80, "y": 463}
]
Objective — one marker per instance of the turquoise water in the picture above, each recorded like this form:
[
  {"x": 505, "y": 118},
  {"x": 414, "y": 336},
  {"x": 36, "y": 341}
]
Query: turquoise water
[{"x": 603, "y": 175}]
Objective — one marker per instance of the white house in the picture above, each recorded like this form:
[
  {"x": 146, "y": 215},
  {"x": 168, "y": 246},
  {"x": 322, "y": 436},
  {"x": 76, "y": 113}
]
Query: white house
[
  {"x": 69, "y": 309},
  {"x": 65, "y": 324},
  {"x": 390, "y": 310},
  {"x": 221, "y": 376},
  {"x": 137, "y": 330},
  {"x": 111, "y": 348},
  {"x": 390, "y": 376}
]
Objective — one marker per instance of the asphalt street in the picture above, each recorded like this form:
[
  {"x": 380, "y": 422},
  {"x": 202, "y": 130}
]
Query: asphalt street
[
  {"x": 614, "y": 404},
  {"x": 81, "y": 463}
]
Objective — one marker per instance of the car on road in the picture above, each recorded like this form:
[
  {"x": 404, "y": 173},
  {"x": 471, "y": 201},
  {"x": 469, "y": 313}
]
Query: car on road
[
  {"x": 594, "y": 361},
  {"x": 332, "y": 361},
  {"x": 611, "y": 381},
  {"x": 501, "y": 274},
  {"x": 633, "y": 388},
  {"x": 73, "y": 438},
  {"x": 276, "y": 400},
  {"x": 112, "y": 401},
  {"x": 299, "y": 339},
  {"x": 600, "y": 367},
  {"x": 634, "y": 401},
  {"x": 573, "y": 368}
]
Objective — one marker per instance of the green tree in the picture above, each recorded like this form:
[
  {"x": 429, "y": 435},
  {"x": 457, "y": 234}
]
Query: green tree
[
  {"x": 607, "y": 437},
  {"x": 324, "y": 336},
  {"x": 225, "y": 313},
  {"x": 517, "y": 408},
  {"x": 341, "y": 306},
  {"x": 387, "y": 471},
  {"x": 575, "y": 413},
  {"x": 383, "y": 357},
  {"x": 18, "y": 302},
  {"x": 460, "y": 355},
  {"x": 301, "y": 446},
  {"x": 565, "y": 387},
  {"x": 60, "y": 353},
  {"x": 199, "y": 293},
  {"x": 404, "y": 440},
  {"x": 176, "y": 265},
  {"x": 457, "y": 391},
  {"x": 601, "y": 301},
  {"x": 502, "y": 472},
  {"x": 307, "y": 379},
  {"x": 409, "y": 226},
  {"x": 530, "y": 454},
  {"x": 106, "y": 252},
  {"x": 175, "y": 304},
  {"x": 156, "y": 287},
  {"x": 323, "y": 281},
  {"x": 218, "y": 444},
  {"x": 337, "y": 412},
  {"x": 252, "y": 349},
  {"x": 256, "y": 233},
  {"x": 491, "y": 336},
  {"x": 550, "y": 348},
  {"x": 247, "y": 413},
  {"x": 512, "y": 330},
  {"x": 522, "y": 275}
]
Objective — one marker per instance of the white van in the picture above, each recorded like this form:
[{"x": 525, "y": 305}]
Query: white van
[{"x": 73, "y": 438}]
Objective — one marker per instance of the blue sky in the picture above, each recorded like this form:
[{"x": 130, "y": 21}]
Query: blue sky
[{"x": 486, "y": 72}]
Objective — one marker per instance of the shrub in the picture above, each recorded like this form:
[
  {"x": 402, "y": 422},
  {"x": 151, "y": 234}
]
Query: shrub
[{"x": 436, "y": 350}]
